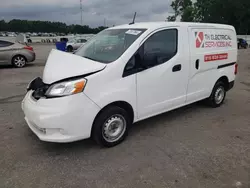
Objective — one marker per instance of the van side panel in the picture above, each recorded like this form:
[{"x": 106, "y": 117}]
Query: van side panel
[{"x": 213, "y": 52}]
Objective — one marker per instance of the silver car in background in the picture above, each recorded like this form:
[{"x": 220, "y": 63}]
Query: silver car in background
[
  {"x": 16, "y": 54},
  {"x": 74, "y": 44}
]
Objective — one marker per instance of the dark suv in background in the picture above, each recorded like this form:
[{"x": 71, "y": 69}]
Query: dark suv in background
[{"x": 242, "y": 43}]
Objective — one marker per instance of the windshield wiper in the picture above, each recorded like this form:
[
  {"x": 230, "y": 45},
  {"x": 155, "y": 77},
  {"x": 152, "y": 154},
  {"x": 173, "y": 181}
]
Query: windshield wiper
[
  {"x": 89, "y": 58},
  {"x": 93, "y": 59}
]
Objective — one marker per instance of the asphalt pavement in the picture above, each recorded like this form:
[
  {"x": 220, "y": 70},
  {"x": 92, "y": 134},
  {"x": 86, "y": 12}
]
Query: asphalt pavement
[{"x": 192, "y": 147}]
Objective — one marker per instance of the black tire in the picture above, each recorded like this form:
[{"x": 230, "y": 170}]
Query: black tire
[
  {"x": 104, "y": 120},
  {"x": 215, "y": 101},
  {"x": 69, "y": 49},
  {"x": 19, "y": 61}
]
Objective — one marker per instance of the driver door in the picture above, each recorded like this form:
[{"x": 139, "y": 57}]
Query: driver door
[{"x": 162, "y": 82}]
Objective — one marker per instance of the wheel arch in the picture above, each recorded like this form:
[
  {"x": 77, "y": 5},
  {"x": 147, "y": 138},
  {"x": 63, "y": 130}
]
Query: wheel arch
[
  {"x": 122, "y": 104},
  {"x": 225, "y": 80}
]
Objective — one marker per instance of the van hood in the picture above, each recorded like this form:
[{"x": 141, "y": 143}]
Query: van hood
[{"x": 61, "y": 65}]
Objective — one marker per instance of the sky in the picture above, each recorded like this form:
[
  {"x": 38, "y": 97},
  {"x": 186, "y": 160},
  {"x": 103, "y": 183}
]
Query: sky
[{"x": 115, "y": 12}]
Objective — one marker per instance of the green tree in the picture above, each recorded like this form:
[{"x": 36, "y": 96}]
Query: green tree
[
  {"x": 3, "y": 25},
  {"x": 46, "y": 26},
  {"x": 236, "y": 13},
  {"x": 188, "y": 14},
  {"x": 182, "y": 8},
  {"x": 176, "y": 5},
  {"x": 232, "y": 12}
]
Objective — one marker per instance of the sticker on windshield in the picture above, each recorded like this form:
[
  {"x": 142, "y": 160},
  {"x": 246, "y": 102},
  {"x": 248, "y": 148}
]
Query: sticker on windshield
[{"x": 133, "y": 32}]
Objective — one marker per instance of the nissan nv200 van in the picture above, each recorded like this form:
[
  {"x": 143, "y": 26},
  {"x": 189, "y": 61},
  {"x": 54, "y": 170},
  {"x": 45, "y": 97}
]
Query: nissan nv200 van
[{"x": 129, "y": 73}]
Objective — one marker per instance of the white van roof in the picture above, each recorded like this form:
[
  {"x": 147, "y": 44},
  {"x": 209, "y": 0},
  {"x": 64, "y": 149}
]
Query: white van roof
[{"x": 155, "y": 25}]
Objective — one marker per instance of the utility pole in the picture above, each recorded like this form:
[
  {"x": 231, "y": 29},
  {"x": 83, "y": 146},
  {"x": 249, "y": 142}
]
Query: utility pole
[
  {"x": 81, "y": 10},
  {"x": 104, "y": 22}
]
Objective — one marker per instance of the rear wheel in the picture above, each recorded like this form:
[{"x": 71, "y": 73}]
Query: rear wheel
[
  {"x": 218, "y": 95},
  {"x": 111, "y": 126},
  {"x": 19, "y": 61}
]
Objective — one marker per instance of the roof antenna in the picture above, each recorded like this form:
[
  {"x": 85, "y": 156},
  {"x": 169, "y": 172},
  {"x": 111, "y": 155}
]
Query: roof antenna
[{"x": 133, "y": 19}]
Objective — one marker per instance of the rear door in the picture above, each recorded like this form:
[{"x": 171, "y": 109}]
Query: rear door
[
  {"x": 5, "y": 51},
  {"x": 162, "y": 85}
]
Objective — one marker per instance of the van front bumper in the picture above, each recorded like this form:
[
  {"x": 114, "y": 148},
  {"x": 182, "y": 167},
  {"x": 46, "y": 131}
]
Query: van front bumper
[{"x": 64, "y": 119}]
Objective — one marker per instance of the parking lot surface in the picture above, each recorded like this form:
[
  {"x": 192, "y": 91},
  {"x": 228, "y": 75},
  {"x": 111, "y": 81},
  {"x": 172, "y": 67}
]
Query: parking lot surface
[{"x": 195, "y": 146}]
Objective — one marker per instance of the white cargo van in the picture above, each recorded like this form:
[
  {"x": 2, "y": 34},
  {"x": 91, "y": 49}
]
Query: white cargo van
[{"x": 126, "y": 74}]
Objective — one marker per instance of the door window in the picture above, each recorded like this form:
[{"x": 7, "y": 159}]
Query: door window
[
  {"x": 160, "y": 47},
  {"x": 83, "y": 40}
]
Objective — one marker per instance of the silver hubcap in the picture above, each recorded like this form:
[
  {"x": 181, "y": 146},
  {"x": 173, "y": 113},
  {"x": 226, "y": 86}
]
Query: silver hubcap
[
  {"x": 19, "y": 61},
  {"x": 114, "y": 128},
  {"x": 219, "y": 95}
]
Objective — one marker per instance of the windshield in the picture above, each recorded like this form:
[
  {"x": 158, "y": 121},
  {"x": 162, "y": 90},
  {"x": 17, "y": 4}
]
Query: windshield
[
  {"x": 72, "y": 40},
  {"x": 109, "y": 45}
]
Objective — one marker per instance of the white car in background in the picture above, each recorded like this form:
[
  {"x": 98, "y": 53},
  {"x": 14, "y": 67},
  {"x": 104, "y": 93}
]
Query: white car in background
[{"x": 74, "y": 44}]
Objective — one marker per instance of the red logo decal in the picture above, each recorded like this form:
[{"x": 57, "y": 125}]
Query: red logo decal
[{"x": 199, "y": 39}]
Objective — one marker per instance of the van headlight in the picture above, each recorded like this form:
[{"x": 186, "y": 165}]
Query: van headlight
[{"x": 66, "y": 88}]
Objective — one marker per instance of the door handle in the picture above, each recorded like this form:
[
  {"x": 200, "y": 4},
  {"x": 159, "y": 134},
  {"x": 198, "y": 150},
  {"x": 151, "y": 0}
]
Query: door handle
[
  {"x": 176, "y": 68},
  {"x": 197, "y": 64}
]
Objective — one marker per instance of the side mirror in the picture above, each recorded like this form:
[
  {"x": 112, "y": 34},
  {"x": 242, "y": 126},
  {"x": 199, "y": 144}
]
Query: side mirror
[
  {"x": 140, "y": 62},
  {"x": 138, "y": 58},
  {"x": 135, "y": 61},
  {"x": 131, "y": 64}
]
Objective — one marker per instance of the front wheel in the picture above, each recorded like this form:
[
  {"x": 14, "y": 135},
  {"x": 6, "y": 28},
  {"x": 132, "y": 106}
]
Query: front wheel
[
  {"x": 218, "y": 95},
  {"x": 111, "y": 126}
]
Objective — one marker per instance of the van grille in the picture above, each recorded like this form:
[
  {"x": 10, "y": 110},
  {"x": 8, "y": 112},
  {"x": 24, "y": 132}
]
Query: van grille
[
  {"x": 39, "y": 88},
  {"x": 40, "y": 92}
]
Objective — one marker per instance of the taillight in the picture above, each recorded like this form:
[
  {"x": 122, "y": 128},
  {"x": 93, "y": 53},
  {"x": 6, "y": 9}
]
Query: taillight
[
  {"x": 28, "y": 48},
  {"x": 235, "y": 68}
]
